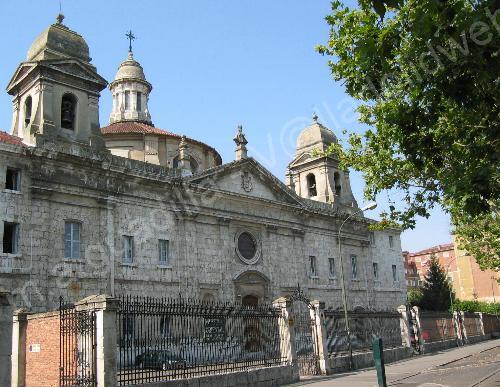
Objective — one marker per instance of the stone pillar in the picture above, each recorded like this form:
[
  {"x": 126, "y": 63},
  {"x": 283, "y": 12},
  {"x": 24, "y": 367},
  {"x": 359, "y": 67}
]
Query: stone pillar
[
  {"x": 5, "y": 338},
  {"x": 418, "y": 328},
  {"x": 459, "y": 322},
  {"x": 287, "y": 331},
  {"x": 318, "y": 316},
  {"x": 184, "y": 161},
  {"x": 105, "y": 308},
  {"x": 18, "y": 358},
  {"x": 480, "y": 314},
  {"x": 404, "y": 323}
]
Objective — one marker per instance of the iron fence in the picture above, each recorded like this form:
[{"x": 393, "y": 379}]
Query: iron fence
[
  {"x": 364, "y": 327},
  {"x": 165, "y": 339},
  {"x": 77, "y": 346},
  {"x": 437, "y": 326}
]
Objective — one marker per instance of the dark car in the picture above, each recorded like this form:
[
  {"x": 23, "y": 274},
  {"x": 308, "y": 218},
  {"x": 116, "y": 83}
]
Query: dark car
[{"x": 160, "y": 359}]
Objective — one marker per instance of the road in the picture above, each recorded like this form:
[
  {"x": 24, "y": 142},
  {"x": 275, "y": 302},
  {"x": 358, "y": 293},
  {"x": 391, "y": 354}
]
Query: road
[{"x": 474, "y": 365}]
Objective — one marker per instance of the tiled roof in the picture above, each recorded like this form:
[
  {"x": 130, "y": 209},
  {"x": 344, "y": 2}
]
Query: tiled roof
[
  {"x": 10, "y": 139},
  {"x": 127, "y": 127},
  {"x": 434, "y": 249}
]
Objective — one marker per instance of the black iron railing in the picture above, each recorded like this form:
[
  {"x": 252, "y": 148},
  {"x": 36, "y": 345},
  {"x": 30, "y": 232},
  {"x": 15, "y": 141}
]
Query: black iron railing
[
  {"x": 364, "y": 328},
  {"x": 164, "y": 339}
]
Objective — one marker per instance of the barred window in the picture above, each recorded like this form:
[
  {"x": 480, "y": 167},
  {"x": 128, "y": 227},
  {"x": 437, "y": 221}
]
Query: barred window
[
  {"x": 331, "y": 267},
  {"x": 72, "y": 240},
  {"x": 375, "y": 270},
  {"x": 391, "y": 241},
  {"x": 312, "y": 266},
  {"x": 163, "y": 247},
  {"x": 138, "y": 101},
  {"x": 354, "y": 267},
  {"x": 394, "y": 273},
  {"x": 128, "y": 249}
]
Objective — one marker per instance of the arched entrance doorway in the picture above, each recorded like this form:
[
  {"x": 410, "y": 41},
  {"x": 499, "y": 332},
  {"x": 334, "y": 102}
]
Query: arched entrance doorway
[{"x": 251, "y": 288}]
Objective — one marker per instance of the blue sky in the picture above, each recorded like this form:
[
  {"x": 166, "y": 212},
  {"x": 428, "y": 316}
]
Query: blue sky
[{"x": 213, "y": 65}]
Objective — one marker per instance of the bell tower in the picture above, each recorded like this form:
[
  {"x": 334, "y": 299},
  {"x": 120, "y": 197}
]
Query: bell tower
[
  {"x": 56, "y": 90},
  {"x": 315, "y": 176}
]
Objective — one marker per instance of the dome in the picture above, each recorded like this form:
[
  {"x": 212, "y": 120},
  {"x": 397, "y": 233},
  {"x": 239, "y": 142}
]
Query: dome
[
  {"x": 315, "y": 135},
  {"x": 58, "y": 42},
  {"x": 130, "y": 69}
]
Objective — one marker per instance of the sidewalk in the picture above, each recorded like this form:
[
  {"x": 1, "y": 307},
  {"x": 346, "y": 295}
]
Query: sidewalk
[{"x": 399, "y": 371}]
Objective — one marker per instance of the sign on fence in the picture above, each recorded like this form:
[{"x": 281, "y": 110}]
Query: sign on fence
[{"x": 215, "y": 329}]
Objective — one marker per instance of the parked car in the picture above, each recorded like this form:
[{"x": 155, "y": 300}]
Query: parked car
[{"x": 160, "y": 359}]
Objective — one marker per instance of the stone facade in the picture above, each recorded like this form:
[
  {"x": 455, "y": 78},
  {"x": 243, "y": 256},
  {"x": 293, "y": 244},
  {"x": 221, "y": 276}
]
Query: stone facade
[{"x": 87, "y": 221}]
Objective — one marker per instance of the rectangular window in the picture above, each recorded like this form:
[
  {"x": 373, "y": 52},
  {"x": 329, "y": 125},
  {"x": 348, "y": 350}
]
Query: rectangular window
[
  {"x": 391, "y": 241},
  {"x": 13, "y": 179},
  {"x": 72, "y": 240},
  {"x": 163, "y": 251},
  {"x": 375, "y": 270},
  {"x": 394, "y": 273},
  {"x": 10, "y": 238},
  {"x": 372, "y": 238},
  {"x": 331, "y": 267},
  {"x": 138, "y": 102},
  {"x": 128, "y": 249},
  {"x": 312, "y": 266},
  {"x": 127, "y": 100},
  {"x": 354, "y": 267}
]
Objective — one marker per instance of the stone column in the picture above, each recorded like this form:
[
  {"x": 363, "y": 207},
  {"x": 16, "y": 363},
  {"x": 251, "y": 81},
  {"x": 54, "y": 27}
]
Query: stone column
[
  {"x": 18, "y": 358},
  {"x": 105, "y": 308},
  {"x": 287, "y": 331},
  {"x": 5, "y": 338},
  {"x": 461, "y": 332},
  {"x": 418, "y": 330},
  {"x": 318, "y": 316},
  {"x": 404, "y": 324},
  {"x": 480, "y": 314}
]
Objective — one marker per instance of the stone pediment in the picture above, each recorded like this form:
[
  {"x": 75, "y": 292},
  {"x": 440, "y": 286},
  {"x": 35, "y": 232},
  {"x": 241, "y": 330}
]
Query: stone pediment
[
  {"x": 248, "y": 178},
  {"x": 70, "y": 67},
  {"x": 22, "y": 72},
  {"x": 75, "y": 68},
  {"x": 300, "y": 159}
]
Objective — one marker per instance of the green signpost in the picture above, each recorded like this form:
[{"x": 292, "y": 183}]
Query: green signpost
[{"x": 378, "y": 357}]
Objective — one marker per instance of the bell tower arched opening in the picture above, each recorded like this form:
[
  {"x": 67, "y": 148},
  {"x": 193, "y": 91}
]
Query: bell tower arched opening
[{"x": 68, "y": 111}]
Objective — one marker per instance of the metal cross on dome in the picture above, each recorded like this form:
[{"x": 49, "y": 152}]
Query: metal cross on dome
[{"x": 130, "y": 37}]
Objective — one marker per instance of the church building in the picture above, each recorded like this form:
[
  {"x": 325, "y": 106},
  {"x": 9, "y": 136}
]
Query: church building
[{"x": 130, "y": 208}]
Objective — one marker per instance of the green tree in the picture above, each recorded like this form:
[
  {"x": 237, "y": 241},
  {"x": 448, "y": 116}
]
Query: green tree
[
  {"x": 427, "y": 75},
  {"x": 436, "y": 289},
  {"x": 414, "y": 297}
]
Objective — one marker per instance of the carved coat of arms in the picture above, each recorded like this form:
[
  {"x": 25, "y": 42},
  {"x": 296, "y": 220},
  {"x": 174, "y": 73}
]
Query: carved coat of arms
[{"x": 246, "y": 182}]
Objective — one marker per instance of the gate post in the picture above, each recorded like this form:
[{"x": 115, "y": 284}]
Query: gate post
[
  {"x": 18, "y": 358},
  {"x": 287, "y": 331},
  {"x": 5, "y": 338},
  {"x": 418, "y": 333},
  {"x": 105, "y": 308},
  {"x": 404, "y": 324},
  {"x": 317, "y": 314}
]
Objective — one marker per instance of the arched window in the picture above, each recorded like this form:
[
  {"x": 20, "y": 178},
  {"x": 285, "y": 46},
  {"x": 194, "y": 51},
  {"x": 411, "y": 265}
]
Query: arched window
[
  {"x": 138, "y": 103},
  {"x": 27, "y": 110},
  {"x": 338, "y": 186},
  {"x": 68, "y": 111},
  {"x": 311, "y": 185}
]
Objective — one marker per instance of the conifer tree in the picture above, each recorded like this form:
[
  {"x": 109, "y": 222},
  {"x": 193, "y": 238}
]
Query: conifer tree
[{"x": 436, "y": 289}]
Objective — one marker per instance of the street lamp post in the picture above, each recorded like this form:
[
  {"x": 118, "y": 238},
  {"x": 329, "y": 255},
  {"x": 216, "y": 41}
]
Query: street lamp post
[{"x": 370, "y": 206}]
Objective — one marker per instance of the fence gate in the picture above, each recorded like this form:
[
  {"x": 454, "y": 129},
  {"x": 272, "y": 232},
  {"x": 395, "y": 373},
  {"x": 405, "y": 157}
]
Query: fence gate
[
  {"x": 306, "y": 343},
  {"x": 77, "y": 344}
]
